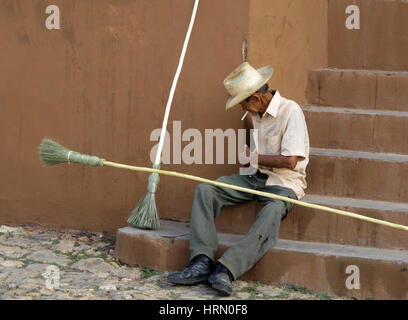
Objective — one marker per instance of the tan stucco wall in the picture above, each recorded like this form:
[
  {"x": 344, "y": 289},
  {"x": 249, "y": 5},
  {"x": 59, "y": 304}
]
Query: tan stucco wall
[
  {"x": 291, "y": 36},
  {"x": 99, "y": 85},
  {"x": 381, "y": 43}
]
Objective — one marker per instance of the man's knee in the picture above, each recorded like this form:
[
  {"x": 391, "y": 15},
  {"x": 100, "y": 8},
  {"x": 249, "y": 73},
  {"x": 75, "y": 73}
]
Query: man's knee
[
  {"x": 277, "y": 209},
  {"x": 204, "y": 191},
  {"x": 203, "y": 187}
]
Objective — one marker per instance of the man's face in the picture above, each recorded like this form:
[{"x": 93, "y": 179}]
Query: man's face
[{"x": 253, "y": 103}]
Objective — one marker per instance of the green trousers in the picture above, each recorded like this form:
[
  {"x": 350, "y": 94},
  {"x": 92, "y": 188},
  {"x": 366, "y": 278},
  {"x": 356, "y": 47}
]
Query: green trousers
[{"x": 207, "y": 204}]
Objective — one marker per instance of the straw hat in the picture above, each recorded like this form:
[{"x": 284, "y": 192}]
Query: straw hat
[{"x": 245, "y": 81}]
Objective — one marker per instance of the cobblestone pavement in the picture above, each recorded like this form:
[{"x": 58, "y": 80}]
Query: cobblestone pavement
[{"x": 44, "y": 263}]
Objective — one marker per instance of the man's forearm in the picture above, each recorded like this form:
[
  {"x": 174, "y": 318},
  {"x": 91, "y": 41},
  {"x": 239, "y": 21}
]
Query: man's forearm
[{"x": 277, "y": 161}]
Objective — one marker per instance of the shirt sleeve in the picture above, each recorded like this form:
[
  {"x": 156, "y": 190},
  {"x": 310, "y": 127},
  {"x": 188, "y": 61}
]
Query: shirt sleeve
[{"x": 295, "y": 138}]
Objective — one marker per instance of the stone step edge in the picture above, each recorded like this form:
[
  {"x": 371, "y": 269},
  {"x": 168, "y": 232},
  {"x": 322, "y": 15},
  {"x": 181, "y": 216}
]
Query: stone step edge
[
  {"x": 180, "y": 231},
  {"x": 377, "y": 156},
  {"x": 368, "y": 112},
  {"x": 356, "y": 203},
  {"x": 372, "y": 71}
]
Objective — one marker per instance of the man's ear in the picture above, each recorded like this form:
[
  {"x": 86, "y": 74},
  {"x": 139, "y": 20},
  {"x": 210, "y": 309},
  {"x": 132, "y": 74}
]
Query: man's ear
[{"x": 258, "y": 95}]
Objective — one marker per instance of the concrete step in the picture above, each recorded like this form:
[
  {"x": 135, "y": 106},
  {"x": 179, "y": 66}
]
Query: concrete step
[
  {"x": 318, "y": 267},
  {"x": 358, "y": 175},
  {"x": 380, "y": 43},
  {"x": 357, "y": 129},
  {"x": 305, "y": 224},
  {"x": 361, "y": 89}
]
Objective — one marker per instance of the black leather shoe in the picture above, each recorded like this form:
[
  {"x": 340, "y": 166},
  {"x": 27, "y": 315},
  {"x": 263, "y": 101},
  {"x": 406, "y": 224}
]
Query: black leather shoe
[
  {"x": 197, "y": 271},
  {"x": 221, "y": 280}
]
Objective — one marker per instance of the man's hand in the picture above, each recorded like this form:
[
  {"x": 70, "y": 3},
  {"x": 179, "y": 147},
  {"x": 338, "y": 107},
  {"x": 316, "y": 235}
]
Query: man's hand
[
  {"x": 247, "y": 151},
  {"x": 253, "y": 157}
]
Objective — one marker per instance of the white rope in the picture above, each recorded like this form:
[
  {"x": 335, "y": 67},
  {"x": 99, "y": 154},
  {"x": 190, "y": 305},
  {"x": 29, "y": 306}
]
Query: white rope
[{"x": 173, "y": 87}]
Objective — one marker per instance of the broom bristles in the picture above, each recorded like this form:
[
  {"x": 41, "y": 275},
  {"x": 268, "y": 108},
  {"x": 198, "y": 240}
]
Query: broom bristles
[
  {"x": 145, "y": 215},
  {"x": 52, "y": 153}
]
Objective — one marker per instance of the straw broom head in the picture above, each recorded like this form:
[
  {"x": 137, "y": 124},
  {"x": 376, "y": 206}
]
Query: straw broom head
[
  {"x": 145, "y": 214},
  {"x": 52, "y": 153}
]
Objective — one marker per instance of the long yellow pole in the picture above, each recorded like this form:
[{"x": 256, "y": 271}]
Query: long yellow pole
[{"x": 259, "y": 193}]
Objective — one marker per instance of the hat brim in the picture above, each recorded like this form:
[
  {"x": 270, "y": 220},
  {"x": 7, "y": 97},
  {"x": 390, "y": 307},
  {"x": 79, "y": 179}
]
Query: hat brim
[{"x": 266, "y": 73}]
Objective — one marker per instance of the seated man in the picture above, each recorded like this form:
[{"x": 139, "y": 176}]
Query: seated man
[{"x": 282, "y": 155}]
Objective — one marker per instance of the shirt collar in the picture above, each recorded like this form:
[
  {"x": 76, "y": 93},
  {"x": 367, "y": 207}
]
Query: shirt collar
[{"x": 274, "y": 105}]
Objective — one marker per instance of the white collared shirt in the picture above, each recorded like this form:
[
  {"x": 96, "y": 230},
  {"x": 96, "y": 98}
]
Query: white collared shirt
[{"x": 282, "y": 130}]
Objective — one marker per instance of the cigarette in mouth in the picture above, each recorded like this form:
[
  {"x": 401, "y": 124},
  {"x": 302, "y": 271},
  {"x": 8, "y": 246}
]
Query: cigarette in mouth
[{"x": 244, "y": 116}]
